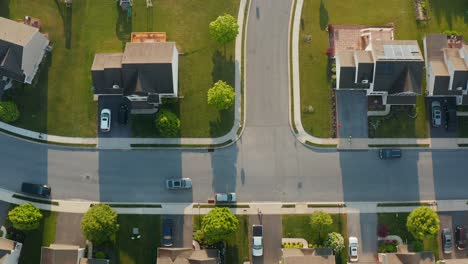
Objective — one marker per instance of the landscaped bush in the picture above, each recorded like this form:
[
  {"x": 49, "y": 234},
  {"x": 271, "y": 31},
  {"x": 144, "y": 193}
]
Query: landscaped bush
[
  {"x": 167, "y": 123},
  {"x": 100, "y": 255},
  {"x": 417, "y": 246},
  {"x": 9, "y": 111},
  {"x": 293, "y": 245},
  {"x": 25, "y": 217},
  {"x": 221, "y": 95},
  {"x": 387, "y": 246},
  {"x": 383, "y": 231}
]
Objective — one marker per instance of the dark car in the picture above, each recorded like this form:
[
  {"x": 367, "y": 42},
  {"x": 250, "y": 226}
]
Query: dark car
[
  {"x": 36, "y": 189},
  {"x": 167, "y": 233},
  {"x": 390, "y": 153},
  {"x": 460, "y": 237},
  {"x": 123, "y": 114}
]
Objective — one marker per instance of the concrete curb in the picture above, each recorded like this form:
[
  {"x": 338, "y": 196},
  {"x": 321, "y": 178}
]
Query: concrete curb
[{"x": 155, "y": 143}]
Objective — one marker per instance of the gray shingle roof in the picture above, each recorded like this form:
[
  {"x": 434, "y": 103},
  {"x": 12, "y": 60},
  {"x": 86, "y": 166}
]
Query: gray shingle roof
[
  {"x": 144, "y": 53},
  {"x": 15, "y": 32}
]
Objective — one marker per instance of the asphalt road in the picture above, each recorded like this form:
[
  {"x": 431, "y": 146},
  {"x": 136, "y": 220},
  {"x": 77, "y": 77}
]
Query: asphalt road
[{"x": 266, "y": 164}]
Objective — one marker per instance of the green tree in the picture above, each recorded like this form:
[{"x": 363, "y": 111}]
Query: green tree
[
  {"x": 99, "y": 224},
  {"x": 167, "y": 123},
  {"x": 320, "y": 223},
  {"x": 335, "y": 241},
  {"x": 25, "y": 217},
  {"x": 9, "y": 111},
  {"x": 219, "y": 224},
  {"x": 221, "y": 95},
  {"x": 423, "y": 222},
  {"x": 224, "y": 29}
]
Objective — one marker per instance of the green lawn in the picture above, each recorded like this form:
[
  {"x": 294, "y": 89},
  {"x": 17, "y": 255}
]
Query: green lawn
[
  {"x": 61, "y": 102},
  {"x": 144, "y": 249},
  {"x": 298, "y": 226},
  {"x": 396, "y": 224},
  {"x": 316, "y": 14},
  {"x": 462, "y": 123},
  {"x": 43, "y": 236}
]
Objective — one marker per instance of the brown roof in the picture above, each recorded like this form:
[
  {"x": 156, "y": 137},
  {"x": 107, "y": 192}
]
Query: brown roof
[
  {"x": 439, "y": 68},
  {"x": 454, "y": 57},
  {"x": 158, "y": 52},
  {"x": 7, "y": 244},
  {"x": 434, "y": 44},
  {"x": 106, "y": 60},
  {"x": 396, "y": 50},
  {"x": 15, "y": 32},
  {"x": 346, "y": 59},
  {"x": 362, "y": 56},
  {"x": 408, "y": 258},
  {"x": 59, "y": 254},
  {"x": 308, "y": 255},
  {"x": 186, "y": 256}
]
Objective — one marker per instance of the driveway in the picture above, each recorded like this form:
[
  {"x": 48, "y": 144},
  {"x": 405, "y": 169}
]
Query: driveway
[
  {"x": 272, "y": 234},
  {"x": 449, "y": 104},
  {"x": 183, "y": 230},
  {"x": 451, "y": 220},
  {"x": 351, "y": 113},
  {"x": 117, "y": 130},
  {"x": 68, "y": 230},
  {"x": 364, "y": 227}
]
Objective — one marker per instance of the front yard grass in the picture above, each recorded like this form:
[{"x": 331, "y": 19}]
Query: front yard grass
[
  {"x": 396, "y": 224},
  {"x": 462, "y": 123},
  {"x": 144, "y": 249},
  {"x": 61, "y": 102},
  {"x": 317, "y": 14},
  {"x": 298, "y": 226}
]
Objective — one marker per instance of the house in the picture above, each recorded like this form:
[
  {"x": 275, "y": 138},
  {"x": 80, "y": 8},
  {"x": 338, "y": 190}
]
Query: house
[
  {"x": 9, "y": 251},
  {"x": 307, "y": 255},
  {"x": 370, "y": 59},
  {"x": 187, "y": 256},
  {"x": 446, "y": 67},
  {"x": 22, "y": 48},
  {"x": 407, "y": 258},
  {"x": 67, "y": 254},
  {"x": 145, "y": 73}
]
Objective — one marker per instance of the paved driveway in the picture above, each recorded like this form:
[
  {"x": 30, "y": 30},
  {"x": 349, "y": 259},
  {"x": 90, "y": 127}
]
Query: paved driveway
[
  {"x": 451, "y": 220},
  {"x": 68, "y": 230},
  {"x": 351, "y": 113},
  {"x": 183, "y": 230},
  {"x": 113, "y": 103},
  {"x": 364, "y": 227},
  {"x": 442, "y": 132},
  {"x": 272, "y": 234}
]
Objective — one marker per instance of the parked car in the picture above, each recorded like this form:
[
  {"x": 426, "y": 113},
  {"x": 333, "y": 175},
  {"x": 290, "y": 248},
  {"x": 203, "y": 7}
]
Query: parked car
[
  {"x": 353, "y": 249},
  {"x": 36, "y": 189},
  {"x": 257, "y": 240},
  {"x": 460, "y": 237},
  {"x": 389, "y": 153},
  {"x": 225, "y": 197},
  {"x": 175, "y": 184},
  {"x": 105, "y": 120},
  {"x": 167, "y": 232},
  {"x": 436, "y": 114},
  {"x": 123, "y": 114},
  {"x": 447, "y": 240}
]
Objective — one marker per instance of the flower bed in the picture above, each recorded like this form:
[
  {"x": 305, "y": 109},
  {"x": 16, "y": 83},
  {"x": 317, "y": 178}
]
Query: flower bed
[
  {"x": 292, "y": 245},
  {"x": 388, "y": 246}
]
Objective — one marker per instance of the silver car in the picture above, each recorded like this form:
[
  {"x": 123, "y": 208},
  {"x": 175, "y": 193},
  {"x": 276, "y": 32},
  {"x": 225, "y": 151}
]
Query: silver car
[
  {"x": 436, "y": 114},
  {"x": 225, "y": 197},
  {"x": 447, "y": 240},
  {"x": 175, "y": 184}
]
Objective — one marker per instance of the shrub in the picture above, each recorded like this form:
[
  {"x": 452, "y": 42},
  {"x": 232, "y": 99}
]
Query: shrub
[
  {"x": 383, "y": 231},
  {"x": 387, "y": 246},
  {"x": 292, "y": 245},
  {"x": 100, "y": 255},
  {"x": 423, "y": 222},
  {"x": 221, "y": 95},
  {"x": 167, "y": 123},
  {"x": 417, "y": 246},
  {"x": 25, "y": 217},
  {"x": 219, "y": 224},
  {"x": 199, "y": 236},
  {"x": 224, "y": 29},
  {"x": 335, "y": 241},
  {"x": 9, "y": 111},
  {"x": 99, "y": 224}
]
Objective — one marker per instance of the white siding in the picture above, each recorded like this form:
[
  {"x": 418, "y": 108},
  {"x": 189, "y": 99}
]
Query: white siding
[
  {"x": 14, "y": 255},
  {"x": 33, "y": 52},
  {"x": 175, "y": 71},
  {"x": 338, "y": 67}
]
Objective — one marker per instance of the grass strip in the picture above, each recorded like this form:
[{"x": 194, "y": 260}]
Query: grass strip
[
  {"x": 288, "y": 206},
  {"x": 181, "y": 145},
  {"x": 117, "y": 205},
  {"x": 402, "y": 204},
  {"x": 291, "y": 81},
  {"x": 35, "y": 200},
  {"x": 222, "y": 205},
  {"x": 398, "y": 145},
  {"x": 325, "y": 205},
  {"x": 320, "y": 145}
]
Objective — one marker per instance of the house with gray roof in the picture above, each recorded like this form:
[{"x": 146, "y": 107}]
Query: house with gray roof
[
  {"x": 9, "y": 251},
  {"x": 22, "y": 48},
  {"x": 187, "y": 256},
  {"x": 145, "y": 73},
  {"x": 368, "y": 58},
  {"x": 307, "y": 255},
  {"x": 446, "y": 67},
  {"x": 407, "y": 258},
  {"x": 67, "y": 254}
]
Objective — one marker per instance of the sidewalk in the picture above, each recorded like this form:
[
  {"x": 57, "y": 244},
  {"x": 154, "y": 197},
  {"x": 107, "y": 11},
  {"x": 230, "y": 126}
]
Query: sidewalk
[
  {"x": 343, "y": 143},
  {"x": 126, "y": 143}
]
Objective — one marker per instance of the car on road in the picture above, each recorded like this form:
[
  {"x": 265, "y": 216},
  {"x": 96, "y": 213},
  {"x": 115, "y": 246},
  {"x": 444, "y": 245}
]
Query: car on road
[
  {"x": 176, "y": 184},
  {"x": 168, "y": 225},
  {"x": 436, "y": 114},
  {"x": 447, "y": 240},
  {"x": 225, "y": 197},
  {"x": 105, "y": 120},
  {"x": 123, "y": 114},
  {"x": 41, "y": 190},
  {"x": 257, "y": 240},
  {"x": 389, "y": 153},
  {"x": 353, "y": 249},
  {"x": 460, "y": 237}
]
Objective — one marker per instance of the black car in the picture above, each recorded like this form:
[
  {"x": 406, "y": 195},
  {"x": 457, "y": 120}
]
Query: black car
[
  {"x": 36, "y": 189},
  {"x": 167, "y": 233},
  {"x": 123, "y": 114},
  {"x": 389, "y": 153},
  {"x": 460, "y": 237}
]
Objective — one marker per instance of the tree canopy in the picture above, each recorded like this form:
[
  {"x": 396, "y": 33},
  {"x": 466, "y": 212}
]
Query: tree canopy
[
  {"x": 9, "y": 111},
  {"x": 167, "y": 123},
  {"x": 99, "y": 224},
  {"x": 221, "y": 95},
  {"x": 423, "y": 222},
  {"x": 25, "y": 217},
  {"x": 335, "y": 241},
  {"x": 224, "y": 29},
  {"x": 219, "y": 224},
  {"x": 320, "y": 223}
]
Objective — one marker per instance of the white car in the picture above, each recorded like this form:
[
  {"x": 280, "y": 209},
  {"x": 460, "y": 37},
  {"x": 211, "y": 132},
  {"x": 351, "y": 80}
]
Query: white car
[
  {"x": 353, "y": 249},
  {"x": 225, "y": 197},
  {"x": 105, "y": 120},
  {"x": 257, "y": 240},
  {"x": 174, "y": 184},
  {"x": 436, "y": 114}
]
